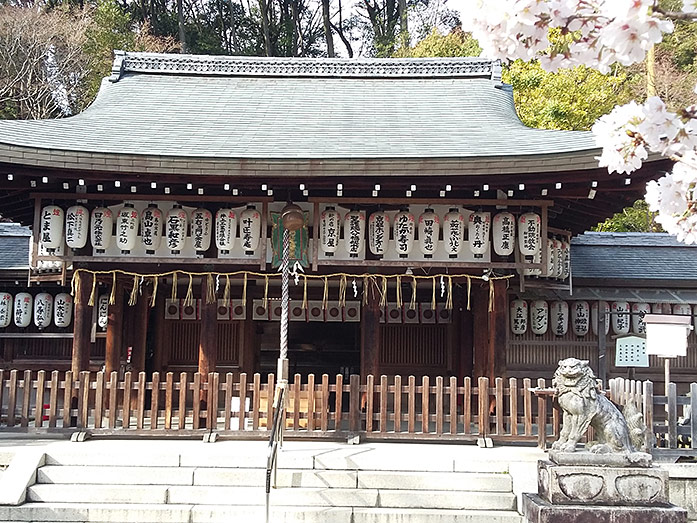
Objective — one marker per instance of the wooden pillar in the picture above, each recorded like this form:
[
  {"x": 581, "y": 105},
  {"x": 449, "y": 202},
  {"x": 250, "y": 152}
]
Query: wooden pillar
[
  {"x": 370, "y": 334},
  {"x": 248, "y": 349},
  {"x": 479, "y": 303},
  {"x": 138, "y": 332},
  {"x": 465, "y": 340},
  {"x": 208, "y": 339},
  {"x": 82, "y": 328},
  {"x": 498, "y": 331},
  {"x": 160, "y": 359},
  {"x": 114, "y": 333}
]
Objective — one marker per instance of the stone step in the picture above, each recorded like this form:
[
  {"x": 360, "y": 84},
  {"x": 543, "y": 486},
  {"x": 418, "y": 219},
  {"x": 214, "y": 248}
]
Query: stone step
[
  {"x": 118, "y": 513},
  {"x": 96, "y": 475},
  {"x": 140, "y": 494}
]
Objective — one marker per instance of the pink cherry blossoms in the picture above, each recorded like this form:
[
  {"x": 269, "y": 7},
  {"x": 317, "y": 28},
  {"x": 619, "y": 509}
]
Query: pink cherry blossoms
[{"x": 598, "y": 34}]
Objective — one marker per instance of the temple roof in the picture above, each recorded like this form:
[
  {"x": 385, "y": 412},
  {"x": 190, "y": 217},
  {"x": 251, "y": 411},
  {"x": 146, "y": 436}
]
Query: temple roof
[{"x": 177, "y": 106}]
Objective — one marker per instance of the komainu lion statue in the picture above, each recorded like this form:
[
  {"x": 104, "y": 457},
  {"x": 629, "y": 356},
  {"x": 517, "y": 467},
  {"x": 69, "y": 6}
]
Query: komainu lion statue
[{"x": 584, "y": 405}]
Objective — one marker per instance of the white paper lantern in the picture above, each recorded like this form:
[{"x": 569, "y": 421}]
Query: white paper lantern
[
  {"x": 101, "y": 229},
  {"x": 43, "y": 310},
  {"x": 329, "y": 227},
  {"x": 23, "y": 309},
  {"x": 539, "y": 317},
  {"x": 201, "y": 229},
  {"x": 535, "y": 259},
  {"x": 682, "y": 309},
  {"x": 580, "y": 318},
  {"x": 378, "y": 232},
  {"x": 429, "y": 232},
  {"x": 403, "y": 232},
  {"x": 52, "y": 220},
  {"x": 503, "y": 233},
  {"x": 176, "y": 225},
  {"x": 661, "y": 308},
  {"x": 63, "y": 309},
  {"x": 558, "y": 259},
  {"x": 638, "y": 312},
  {"x": 551, "y": 259},
  {"x": 5, "y": 309},
  {"x": 354, "y": 233},
  {"x": 566, "y": 259},
  {"x": 103, "y": 311},
  {"x": 151, "y": 228},
  {"x": 127, "y": 228},
  {"x": 529, "y": 239},
  {"x": 250, "y": 229},
  {"x": 621, "y": 321},
  {"x": 453, "y": 232},
  {"x": 478, "y": 230},
  {"x": 559, "y": 312},
  {"x": 604, "y": 309},
  {"x": 77, "y": 220},
  {"x": 225, "y": 230},
  {"x": 519, "y": 316}
]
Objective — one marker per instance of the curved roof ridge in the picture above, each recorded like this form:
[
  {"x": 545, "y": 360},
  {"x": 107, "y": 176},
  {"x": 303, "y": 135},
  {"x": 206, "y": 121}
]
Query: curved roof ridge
[{"x": 208, "y": 65}]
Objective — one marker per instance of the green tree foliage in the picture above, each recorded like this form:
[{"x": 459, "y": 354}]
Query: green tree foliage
[
  {"x": 636, "y": 218},
  {"x": 455, "y": 43}
]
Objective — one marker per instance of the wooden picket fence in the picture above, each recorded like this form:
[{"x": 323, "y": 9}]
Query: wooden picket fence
[{"x": 379, "y": 408}]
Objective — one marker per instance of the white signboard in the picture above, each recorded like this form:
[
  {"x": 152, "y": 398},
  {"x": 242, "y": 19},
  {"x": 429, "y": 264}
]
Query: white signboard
[{"x": 630, "y": 351}]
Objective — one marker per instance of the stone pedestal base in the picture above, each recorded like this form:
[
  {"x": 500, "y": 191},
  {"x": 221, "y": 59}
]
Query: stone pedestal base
[
  {"x": 537, "y": 510},
  {"x": 598, "y": 485}
]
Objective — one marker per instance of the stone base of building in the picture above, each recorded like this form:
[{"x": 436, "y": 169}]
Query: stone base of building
[{"x": 537, "y": 510}]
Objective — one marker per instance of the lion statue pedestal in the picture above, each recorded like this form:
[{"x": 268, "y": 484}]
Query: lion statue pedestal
[{"x": 611, "y": 481}]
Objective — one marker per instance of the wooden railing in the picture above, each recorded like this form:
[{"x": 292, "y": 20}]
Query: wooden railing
[{"x": 385, "y": 408}]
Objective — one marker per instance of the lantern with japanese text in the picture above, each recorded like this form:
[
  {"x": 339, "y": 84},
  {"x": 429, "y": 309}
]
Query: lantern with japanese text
[
  {"x": 127, "y": 228},
  {"x": 403, "y": 232},
  {"x": 539, "y": 317},
  {"x": 378, "y": 232},
  {"x": 558, "y": 258},
  {"x": 429, "y": 232},
  {"x": 519, "y": 316},
  {"x": 101, "y": 228},
  {"x": 225, "y": 230},
  {"x": 176, "y": 224},
  {"x": 682, "y": 309},
  {"x": 535, "y": 259},
  {"x": 453, "y": 232},
  {"x": 529, "y": 239},
  {"x": 580, "y": 318},
  {"x": 595, "y": 314},
  {"x": 201, "y": 229},
  {"x": 5, "y": 309},
  {"x": 43, "y": 310},
  {"x": 620, "y": 317},
  {"x": 559, "y": 316},
  {"x": 77, "y": 220},
  {"x": 478, "y": 231},
  {"x": 250, "y": 229},
  {"x": 51, "y": 232},
  {"x": 566, "y": 261},
  {"x": 503, "y": 233},
  {"x": 151, "y": 228},
  {"x": 551, "y": 258},
  {"x": 63, "y": 309},
  {"x": 23, "y": 309},
  {"x": 329, "y": 224},
  {"x": 354, "y": 233},
  {"x": 103, "y": 311},
  {"x": 639, "y": 310}
]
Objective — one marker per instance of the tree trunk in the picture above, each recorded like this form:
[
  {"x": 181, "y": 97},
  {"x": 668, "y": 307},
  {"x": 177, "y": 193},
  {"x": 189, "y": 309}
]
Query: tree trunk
[
  {"x": 264, "y": 7},
  {"x": 233, "y": 30},
  {"x": 182, "y": 32},
  {"x": 403, "y": 23},
  {"x": 328, "y": 29}
]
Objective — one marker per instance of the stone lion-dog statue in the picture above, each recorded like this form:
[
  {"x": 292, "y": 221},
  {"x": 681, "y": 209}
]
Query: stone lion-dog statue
[{"x": 584, "y": 405}]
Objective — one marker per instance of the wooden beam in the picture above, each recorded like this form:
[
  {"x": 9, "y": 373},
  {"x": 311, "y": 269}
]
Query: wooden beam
[
  {"x": 82, "y": 327},
  {"x": 480, "y": 332},
  {"x": 370, "y": 333},
  {"x": 429, "y": 201},
  {"x": 498, "y": 331},
  {"x": 152, "y": 197},
  {"x": 208, "y": 339},
  {"x": 114, "y": 332}
]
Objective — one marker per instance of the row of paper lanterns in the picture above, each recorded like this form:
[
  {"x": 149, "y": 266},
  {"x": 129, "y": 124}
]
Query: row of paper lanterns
[
  {"x": 624, "y": 317},
  {"x": 558, "y": 260},
  {"x": 77, "y": 224},
  {"x": 482, "y": 230},
  {"x": 44, "y": 308}
]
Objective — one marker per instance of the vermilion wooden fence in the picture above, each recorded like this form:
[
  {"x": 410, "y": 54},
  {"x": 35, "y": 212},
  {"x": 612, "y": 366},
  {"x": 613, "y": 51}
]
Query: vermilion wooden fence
[{"x": 381, "y": 407}]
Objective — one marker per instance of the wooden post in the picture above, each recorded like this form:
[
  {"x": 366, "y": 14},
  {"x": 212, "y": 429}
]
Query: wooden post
[
  {"x": 248, "y": 349},
  {"x": 480, "y": 331},
  {"x": 114, "y": 333},
  {"x": 498, "y": 331},
  {"x": 82, "y": 326},
  {"x": 370, "y": 334},
  {"x": 208, "y": 344},
  {"x": 138, "y": 334}
]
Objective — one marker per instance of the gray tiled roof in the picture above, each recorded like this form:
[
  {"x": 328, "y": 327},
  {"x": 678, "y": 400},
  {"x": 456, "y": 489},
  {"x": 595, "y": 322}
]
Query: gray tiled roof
[
  {"x": 14, "y": 246},
  {"x": 633, "y": 256},
  {"x": 247, "y": 114}
]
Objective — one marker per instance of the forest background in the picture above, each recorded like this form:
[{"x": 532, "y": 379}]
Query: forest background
[{"x": 54, "y": 53}]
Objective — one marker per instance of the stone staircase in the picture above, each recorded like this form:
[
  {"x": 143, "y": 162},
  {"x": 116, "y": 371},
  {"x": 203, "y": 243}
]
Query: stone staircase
[{"x": 98, "y": 482}]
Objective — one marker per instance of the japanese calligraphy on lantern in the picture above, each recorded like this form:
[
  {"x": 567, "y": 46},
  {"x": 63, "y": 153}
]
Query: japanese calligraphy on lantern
[
  {"x": 225, "y": 230},
  {"x": 175, "y": 229},
  {"x": 504, "y": 233},
  {"x": 151, "y": 228},
  {"x": 127, "y": 228},
  {"x": 529, "y": 225},
  {"x": 5, "y": 309},
  {"x": 519, "y": 316},
  {"x": 62, "y": 309},
  {"x": 453, "y": 232},
  {"x": 102, "y": 224},
  {"x": 103, "y": 311},
  {"x": 378, "y": 232},
  {"x": 539, "y": 317},
  {"x": 51, "y": 233},
  {"x": 478, "y": 229},
  {"x": 580, "y": 318},
  {"x": 250, "y": 229},
  {"x": 43, "y": 310},
  {"x": 620, "y": 317},
  {"x": 201, "y": 224},
  {"x": 354, "y": 233},
  {"x": 76, "y": 225},
  {"x": 329, "y": 230},
  {"x": 23, "y": 309},
  {"x": 559, "y": 312},
  {"x": 595, "y": 315},
  {"x": 429, "y": 231},
  {"x": 639, "y": 310},
  {"x": 403, "y": 232}
]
